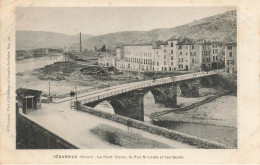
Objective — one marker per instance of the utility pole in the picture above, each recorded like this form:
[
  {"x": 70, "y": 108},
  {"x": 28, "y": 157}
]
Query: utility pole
[
  {"x": 49, "y": 88},
  {"x": 76, "y": 93}
]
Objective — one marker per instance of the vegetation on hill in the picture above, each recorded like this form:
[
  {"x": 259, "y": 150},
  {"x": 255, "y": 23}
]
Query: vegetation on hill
[{"x": 221, "y": 27}]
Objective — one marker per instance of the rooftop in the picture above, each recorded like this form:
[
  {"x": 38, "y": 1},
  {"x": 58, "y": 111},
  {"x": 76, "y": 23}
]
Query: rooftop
[{"x": 22, "y": 92}]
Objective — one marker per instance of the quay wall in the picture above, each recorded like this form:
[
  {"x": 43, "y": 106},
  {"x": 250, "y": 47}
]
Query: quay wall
[
  {"x": 30, "y": 135},
  {"x": 171, "y": 134}
]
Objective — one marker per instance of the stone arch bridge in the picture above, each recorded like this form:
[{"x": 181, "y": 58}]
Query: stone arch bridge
[{"x": 128, "y": 99}]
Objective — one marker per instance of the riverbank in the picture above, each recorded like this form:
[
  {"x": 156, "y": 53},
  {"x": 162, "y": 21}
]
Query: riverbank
[{"x": 220, "y": 112}]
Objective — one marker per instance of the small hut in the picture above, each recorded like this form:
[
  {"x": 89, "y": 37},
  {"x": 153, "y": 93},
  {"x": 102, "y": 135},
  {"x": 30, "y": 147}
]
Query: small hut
[{"x": 28, "y": 99}]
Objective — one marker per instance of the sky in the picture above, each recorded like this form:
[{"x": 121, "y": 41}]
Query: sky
[{"x": 103, "y": 20}]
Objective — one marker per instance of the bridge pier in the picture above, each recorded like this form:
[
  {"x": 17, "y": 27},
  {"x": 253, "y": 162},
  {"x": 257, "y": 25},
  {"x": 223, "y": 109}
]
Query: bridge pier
[
  {"x": 190, "y": 88},
  {"x": 129, "y": 104},
  {"x": 194, "y": 90},
  {"x": 166, "y": 95}
]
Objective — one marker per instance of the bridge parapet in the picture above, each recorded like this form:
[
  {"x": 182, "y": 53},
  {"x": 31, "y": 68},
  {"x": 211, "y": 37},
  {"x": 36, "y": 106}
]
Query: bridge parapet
[{"x": 111, "y": 91}]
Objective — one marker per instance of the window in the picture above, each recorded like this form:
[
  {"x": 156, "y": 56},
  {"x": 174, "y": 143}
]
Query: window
[
  {"x": 216, "y": 57},
  {"x": 216, "y": 50},
  {"x": 164, "y": 50},
  {"x": 192, "y": 47},
  {"x": 181, "y": 60},
  {"x": 193, "y": 61},
  {"x": 213, "y": 58},
  {"x": 171, "y": 51},
  {"x": 171, "y": 63},
  {"x": 229, "y": 47},
  {"x": 171, "y": 57},
  {"x": 213, "y": 51},
  {"x": 164, "y": 62},
  {"x": 164, "y": 56},
  {"x": 180, "y": 52},
  {"x": 186, "y": 54},
  {"x": 171, "y": 44},
  {"x": 180, "y": 47},
  {"x": 230, "y": 62},
  {"x": 230, "y": 54},
  {"x": 157, "y": 63},
  {"x": 180, "y": 66}
]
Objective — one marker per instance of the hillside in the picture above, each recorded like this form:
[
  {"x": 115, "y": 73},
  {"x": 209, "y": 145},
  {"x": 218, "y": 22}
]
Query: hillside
[
  {"x": 27, "y": 40},
  {"x": 220, "y": 27}
]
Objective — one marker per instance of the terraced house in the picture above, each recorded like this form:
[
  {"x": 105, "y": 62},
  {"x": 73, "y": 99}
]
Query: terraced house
[
  {"x": 231, "y": 58},
  {"x": 177, "y": 55}
]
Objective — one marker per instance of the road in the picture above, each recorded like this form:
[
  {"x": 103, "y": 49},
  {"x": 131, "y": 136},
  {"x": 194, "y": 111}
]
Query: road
[{"x": 75, "y": 127}]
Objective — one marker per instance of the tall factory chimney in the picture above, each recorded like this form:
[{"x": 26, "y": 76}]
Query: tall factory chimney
[{"x": 80, "y": 48}]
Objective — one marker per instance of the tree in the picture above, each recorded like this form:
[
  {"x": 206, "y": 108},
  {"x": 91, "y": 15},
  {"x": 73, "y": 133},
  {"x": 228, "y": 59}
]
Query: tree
[{"x": 103, "y": 48}]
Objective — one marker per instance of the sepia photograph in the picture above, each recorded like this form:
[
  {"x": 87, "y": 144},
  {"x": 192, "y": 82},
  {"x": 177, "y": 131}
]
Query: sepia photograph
[{"x": 126, "y": 77}]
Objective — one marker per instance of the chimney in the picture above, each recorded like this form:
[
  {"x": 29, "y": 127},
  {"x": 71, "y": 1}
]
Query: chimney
[{"x": 80, "y": 48}]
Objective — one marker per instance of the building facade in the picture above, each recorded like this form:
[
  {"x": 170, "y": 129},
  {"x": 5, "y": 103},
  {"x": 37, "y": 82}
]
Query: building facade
[
  {"x": 231, "y": 58},
  {"x": 106, "y": 60},
  {"x": 139, "y": 57},
  {"x": 175, "y": 55}
]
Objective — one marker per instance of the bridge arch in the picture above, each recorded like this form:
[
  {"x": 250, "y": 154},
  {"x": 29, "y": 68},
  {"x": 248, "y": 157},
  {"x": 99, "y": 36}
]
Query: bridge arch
[
  {"x": 105, "y": 106},
  {"x": 157, "y": 94},
  {"x": 113, "y": 106},
  {"x": 119, "y": 107},
  {"x": 185, "y": 88}
]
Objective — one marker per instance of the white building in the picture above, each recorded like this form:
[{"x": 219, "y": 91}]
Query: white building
[
  {"x": 107, "y": 60},
  {"x": 175, "y": 55}
]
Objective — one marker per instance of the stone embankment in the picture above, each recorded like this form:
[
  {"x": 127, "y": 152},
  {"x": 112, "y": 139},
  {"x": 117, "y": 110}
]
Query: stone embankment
[
  {"x": 171, "y": 134},
  {"x": 30, "y": 135}
]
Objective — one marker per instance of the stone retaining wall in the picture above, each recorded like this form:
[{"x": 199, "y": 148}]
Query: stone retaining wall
[
  {"x": 30, "y": 135},
  {"x": 171, "y": 134}
]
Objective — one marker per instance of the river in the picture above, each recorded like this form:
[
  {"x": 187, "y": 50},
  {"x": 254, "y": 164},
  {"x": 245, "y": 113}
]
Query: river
[
  {"x": 221, "y": 134},
  {"x": 35, "y": 63}
]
